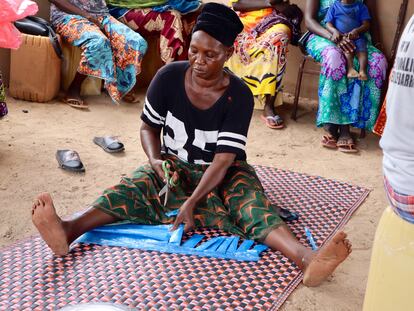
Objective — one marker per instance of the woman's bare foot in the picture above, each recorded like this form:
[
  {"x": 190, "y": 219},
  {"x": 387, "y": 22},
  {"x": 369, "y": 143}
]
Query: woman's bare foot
[
  {"x": 49, "y": 224},
  {"x": 352, "y": 74},
  {"x": 363, "y": 76},
  {"x": 323, "y": 263}
]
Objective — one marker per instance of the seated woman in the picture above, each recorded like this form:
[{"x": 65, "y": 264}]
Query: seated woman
[
  {"x": 344, "y": 102},
  {"x": 172, "y": 20},
  {"x": 203, "y": 128},
  {"x": 260, "y": 53},
  {"x": 3, "y": 106},
  {"x": 110, "y": 50}
]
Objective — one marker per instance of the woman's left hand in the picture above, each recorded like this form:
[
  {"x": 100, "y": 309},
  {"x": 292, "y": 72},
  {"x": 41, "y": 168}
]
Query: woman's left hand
[
  {"x": 346, "y": 45},
  {"x": 185, "y": 216}
]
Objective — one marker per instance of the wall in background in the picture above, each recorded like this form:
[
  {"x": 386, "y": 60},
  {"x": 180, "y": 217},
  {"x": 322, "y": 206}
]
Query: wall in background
[{"x": 387, "y": 15}]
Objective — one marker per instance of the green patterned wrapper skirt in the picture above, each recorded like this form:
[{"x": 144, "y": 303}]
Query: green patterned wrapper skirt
[{"x": 238, "y": 206}]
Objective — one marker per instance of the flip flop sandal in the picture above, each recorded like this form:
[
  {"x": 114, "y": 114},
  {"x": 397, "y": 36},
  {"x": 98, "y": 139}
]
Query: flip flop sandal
[
  {"x": 69, "y": 160},
  {"x": 328, "y": 141},
  {"x": 109, "y": 144},
  {"x": 76, "y": 103},
  {"x": 276, "y": 119},
  {"x": 132, "y": 98},
  {"x": 347, "y": 147}
]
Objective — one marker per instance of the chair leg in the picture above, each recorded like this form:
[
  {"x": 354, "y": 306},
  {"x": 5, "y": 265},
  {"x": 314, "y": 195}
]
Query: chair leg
[{"x": 297, "y": 89}]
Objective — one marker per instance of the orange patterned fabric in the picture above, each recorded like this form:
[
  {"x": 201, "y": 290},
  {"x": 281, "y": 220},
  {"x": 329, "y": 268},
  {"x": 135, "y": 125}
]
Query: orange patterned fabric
[
  {"x": 382, "y": 119},
  {"x": 112, "y": 52}
]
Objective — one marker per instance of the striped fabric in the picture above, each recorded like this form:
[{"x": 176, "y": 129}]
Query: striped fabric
[
  {"x": 232, "y": 139},
  {"x": 151, "y": 114},
  {"x": 402, "y": 204}
]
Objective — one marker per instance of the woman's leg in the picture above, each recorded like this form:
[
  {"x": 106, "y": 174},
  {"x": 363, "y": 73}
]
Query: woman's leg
[
  {"x": 317, "y": 266},
  {"x": 253, "y": 213},
  {"x": 335, "y": 91},
  {"x": 351, "y": 72},
  {"x": 135, "y": 199},
  {"x": 345, "y": 141},
  {"x": 96, "y": 58},
  {"x": 74, "y": 90},
  {"x": 270, "y": 113},
  {"x": 3, "y": 106},
  {"x": 363, "y": 62},
  {"x": 260, "y": 61},
  {"x": 58, "y": 233},
  {"x": 128, "y": 48}
]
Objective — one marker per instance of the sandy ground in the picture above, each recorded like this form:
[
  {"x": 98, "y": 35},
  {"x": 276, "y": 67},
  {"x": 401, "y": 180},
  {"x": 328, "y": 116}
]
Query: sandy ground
[{"x": 31, "y": 134}]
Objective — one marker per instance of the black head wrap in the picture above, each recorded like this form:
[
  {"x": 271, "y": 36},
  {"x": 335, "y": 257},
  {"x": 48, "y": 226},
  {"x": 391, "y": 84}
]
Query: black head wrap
[{"x": 220, "y": 22}]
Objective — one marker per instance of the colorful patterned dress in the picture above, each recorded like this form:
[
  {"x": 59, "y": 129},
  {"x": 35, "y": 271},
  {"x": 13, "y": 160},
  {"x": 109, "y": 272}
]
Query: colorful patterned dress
[
  {"x": 172, "y": 22},
  {"x": 112, "y": 52},
  {"x": 260, "y": 59},
  {"x": 342, "y": 100},
  {"x": 3, "y": 106}
]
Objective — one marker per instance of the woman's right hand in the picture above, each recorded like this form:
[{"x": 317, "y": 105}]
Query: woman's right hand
[
  {"x": 156, "y": 165},
  {"x": 346, "y": 45}
]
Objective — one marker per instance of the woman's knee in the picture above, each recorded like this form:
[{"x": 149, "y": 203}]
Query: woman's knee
[
  {"x": 378, "y": 62},
  {"x": 98, "y": 43},
  {"x": 138, "y": 42},
  {"x": 333, "y": 57}
]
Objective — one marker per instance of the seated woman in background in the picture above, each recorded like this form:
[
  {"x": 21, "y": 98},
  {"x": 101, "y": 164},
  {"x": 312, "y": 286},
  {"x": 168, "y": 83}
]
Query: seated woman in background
[
  {"x": 3, "y": 106},
  {"x": 344, "y": 102},
  {"x": 172, "y": 20},
  {"x": 110, "y": 50},
  {"x": 260, "y": 52}
]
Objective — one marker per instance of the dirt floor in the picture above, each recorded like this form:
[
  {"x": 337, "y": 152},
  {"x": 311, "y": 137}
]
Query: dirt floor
[{"x": 31, "y": 134}]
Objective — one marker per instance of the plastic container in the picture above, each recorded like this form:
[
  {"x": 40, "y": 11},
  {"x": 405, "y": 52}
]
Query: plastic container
[{"x": 34, "y": 70}]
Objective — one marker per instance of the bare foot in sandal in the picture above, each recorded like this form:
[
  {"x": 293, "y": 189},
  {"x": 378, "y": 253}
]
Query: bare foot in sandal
[
  {"x": 323, "y": 263},
  {"x": 49, "y": 224},
  {"x": 269, "y": 116},
  {"x": 72, "y": 97},
  {"x": 132, "y": 97},
  {"x": 75, "y": 102},
  {"x": 329, "y": 140},
  {"x": 345, "y": 142},
  {"x": 346, "y": 145}
]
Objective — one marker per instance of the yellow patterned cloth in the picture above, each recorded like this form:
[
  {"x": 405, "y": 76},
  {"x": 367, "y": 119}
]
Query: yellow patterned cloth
[{"x": 260, "y": 59}]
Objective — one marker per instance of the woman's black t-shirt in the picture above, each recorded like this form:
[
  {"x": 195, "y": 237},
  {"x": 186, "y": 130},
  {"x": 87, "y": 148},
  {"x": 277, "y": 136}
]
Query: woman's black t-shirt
[{"x": 192, "y": 134}]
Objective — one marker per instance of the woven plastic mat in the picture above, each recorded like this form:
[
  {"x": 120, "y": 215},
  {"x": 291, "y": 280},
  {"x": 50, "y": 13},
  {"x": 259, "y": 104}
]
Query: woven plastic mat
[{"x": 32, "y": 279}]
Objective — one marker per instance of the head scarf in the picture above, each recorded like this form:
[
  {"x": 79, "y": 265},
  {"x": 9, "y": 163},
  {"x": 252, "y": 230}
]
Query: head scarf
[{"x": 220, "y": 22}]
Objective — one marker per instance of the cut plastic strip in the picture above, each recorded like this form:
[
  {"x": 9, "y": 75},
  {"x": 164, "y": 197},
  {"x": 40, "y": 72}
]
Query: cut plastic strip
[{"x": 153, "y": 238}]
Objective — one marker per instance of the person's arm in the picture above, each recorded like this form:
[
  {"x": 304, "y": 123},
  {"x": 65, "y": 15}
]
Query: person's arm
[
  {"x": 336, "y": 35},
  {"x": 374, "y": 28},
  {"x": 356, "y": 32},
  {"x": 311, "y": 11},
  {"x": 69, "y": 8},
  {"x": 251, "y": 5},
  {"x": 151, "y": 143},
  {"x": 212, "y": 177},
  {"x": 153, "y": 119}
]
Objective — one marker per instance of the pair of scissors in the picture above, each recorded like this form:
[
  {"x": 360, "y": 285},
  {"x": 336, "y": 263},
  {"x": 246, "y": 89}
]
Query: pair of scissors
[{"x": 169, "y": 182}]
